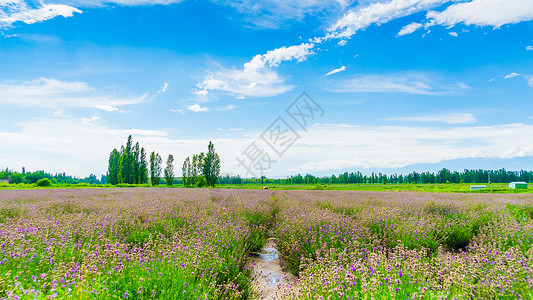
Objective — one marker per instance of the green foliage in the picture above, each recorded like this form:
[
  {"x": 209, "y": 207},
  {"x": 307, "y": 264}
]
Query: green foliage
[
  {"x": 169, "y": 170},
  {"x": 520, "y": 213},
  {"x": 186, "y": 169},
  {"x": 43, "y": 182},
  {"x": 207, "y": 165},
  {"x": 200, "y": 181},
  {"x": 127, "y": 165},
  {"x": 211, "y": 165},
  {"x": 155, "y": 168},
  {"x": 457, "y": 237}
]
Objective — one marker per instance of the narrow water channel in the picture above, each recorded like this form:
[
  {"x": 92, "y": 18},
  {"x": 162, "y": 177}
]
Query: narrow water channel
[{"x": 270, "y": 278}]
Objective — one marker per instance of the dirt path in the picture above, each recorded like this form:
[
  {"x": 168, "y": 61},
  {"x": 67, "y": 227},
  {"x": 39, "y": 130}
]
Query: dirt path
[{"x": 269, "y": 275}]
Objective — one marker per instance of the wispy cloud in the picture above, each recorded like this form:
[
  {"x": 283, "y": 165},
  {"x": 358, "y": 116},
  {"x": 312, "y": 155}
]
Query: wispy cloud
[
  {"x": 530, "y": 81},
  {"x": 343, "y": 68},
  {"x": 275, "y": 13},
  {"x": 408, "y": 29},
  {"x": 378, "y": 13},
  {"x": 179, "y": 111},
  {"x": 452, "y": 118},
  {"x": 529, "y": 48},
  {"x": 411, "y": 83},
  {"x": 164, "y": 88},
  {"x": 46, "y": 92},
  {"x": 89, "y": 121},
  {"x": 511, "y": 75},
  {"x": 12, "y": 11},
  {"x": 196, "y": 108},
  {"x": 453, "y": 33},
  {"x": 107, "y": 108},
  {"x": 227, "y": 107}
]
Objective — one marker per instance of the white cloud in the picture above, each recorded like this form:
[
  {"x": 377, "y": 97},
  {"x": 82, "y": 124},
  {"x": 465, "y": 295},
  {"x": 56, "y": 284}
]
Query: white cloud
[
  {"x": 275, "y": 13},
  {"x": 59, "y": 113},
  {"x": 179, "y": 111},
  {"x": 196, "y": 108},
  {"x": 342, "y": 42},
  {"x": 12, "y": 11},
  {"x": 257, "y": 78},
  {"x": 453, "y": 118},
  {"x": 89, "y": 121},
  {"x": 107, "y": 108},
  {"x": 343, "y": 68},
  {"x": 408, "y": 29},
  {"x": 101, "y": 3},
  {"x": 511, "y": 75},
  {"x": 530, "y": 81},
  {"x": 529, "y": 48},
  {"x": 483, "y": 13},
  {"x": 453, "y": 33},
  {"x": 378, "y": 13},
  {"x": 398, "y": 83},
  {"x": 164, "y": 88},
  {"x": 227, "y": 107},
  {"x": 45, "y": 92},
  {"x": 274, "y": 57}
]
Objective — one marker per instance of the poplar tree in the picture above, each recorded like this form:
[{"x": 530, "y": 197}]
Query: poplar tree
[
  {"x": 185, "y": 169},
  {"x": 113, "y": 167},
  {"x": 169, "y": 170},
  {"x": 211, "y": 165},
  {"x": 155, "y": 168},
  {"x": 143, "y": 169}
]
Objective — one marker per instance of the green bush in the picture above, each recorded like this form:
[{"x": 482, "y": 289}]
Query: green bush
[
  {"x": 200, "y": 181},
  {"x": 43, "y": 182}
]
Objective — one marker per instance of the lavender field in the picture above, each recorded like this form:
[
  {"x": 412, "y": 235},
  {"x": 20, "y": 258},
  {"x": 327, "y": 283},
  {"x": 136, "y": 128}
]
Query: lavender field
[{"x": 199, "y": 243}]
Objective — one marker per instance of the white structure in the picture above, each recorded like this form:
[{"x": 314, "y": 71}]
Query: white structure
[
  {"x": 4, "y": 181},
  {"x": 477, "y": 187},
  {"x": 518, "y": 185}
]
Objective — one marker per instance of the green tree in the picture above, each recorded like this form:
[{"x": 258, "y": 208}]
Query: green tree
[
  {"x": 143, "y": 168},
  {"x": 127, "y": 163},
  {"x": 211, "y": 165},
  {"x": 185, "y": 169},
  {"x": 113, "y": 167},
  {"x": 136, "y": 163},
  {"x": 169, "y": 170},
  {"x": 155, "y": 168}
]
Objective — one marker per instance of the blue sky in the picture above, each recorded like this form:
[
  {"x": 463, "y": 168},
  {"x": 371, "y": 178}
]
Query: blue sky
[{"x": 400, "y": 82}]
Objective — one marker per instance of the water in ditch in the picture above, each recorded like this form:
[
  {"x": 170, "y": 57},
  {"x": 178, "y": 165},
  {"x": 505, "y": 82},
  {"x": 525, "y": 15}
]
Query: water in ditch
[{"x": 270, "y": 278}]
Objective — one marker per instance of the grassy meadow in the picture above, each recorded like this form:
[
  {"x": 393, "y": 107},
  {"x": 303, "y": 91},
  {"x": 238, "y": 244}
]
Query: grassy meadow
[{"x": 146, "y": 243}]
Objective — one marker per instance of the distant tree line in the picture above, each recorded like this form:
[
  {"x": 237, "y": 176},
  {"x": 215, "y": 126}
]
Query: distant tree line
[
  {"x": 57, "y": 178},
  {"x": 230, "y": 179},
  {"x": 442, "y": 176}
]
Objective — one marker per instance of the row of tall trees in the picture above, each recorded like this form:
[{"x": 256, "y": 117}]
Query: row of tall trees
[
  {"x": 203, "y": 169},
  {"x": 128, "y": 165}
]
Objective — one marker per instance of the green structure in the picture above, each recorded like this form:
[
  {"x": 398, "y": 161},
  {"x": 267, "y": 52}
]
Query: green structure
[{"x": 518, "y": 185}]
